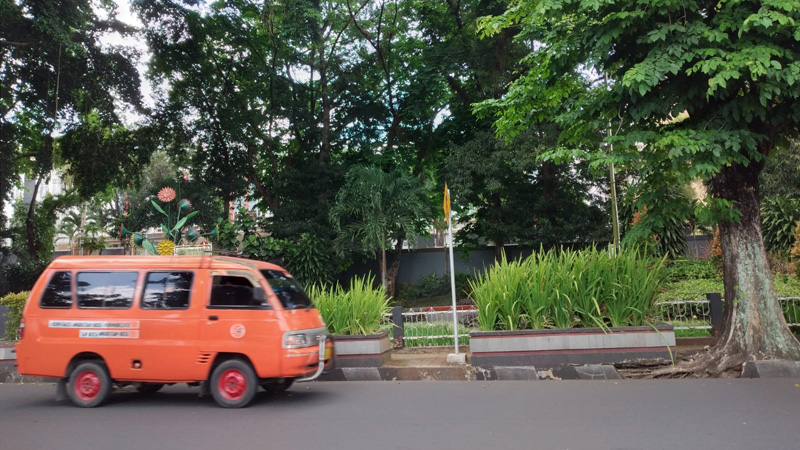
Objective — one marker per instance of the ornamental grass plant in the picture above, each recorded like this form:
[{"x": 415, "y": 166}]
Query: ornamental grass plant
[
  {"x": 356, "y": 310},
  {"x": 568, "y": 289}
]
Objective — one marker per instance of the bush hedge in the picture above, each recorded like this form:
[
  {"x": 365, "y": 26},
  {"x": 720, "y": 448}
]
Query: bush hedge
[
  {"x": 15, "y": 304},
  {"x": 433, "y": 285}
]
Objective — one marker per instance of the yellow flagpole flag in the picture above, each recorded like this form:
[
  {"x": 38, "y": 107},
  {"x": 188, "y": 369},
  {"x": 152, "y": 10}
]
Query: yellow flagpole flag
[{"x": 446, "y": 203}]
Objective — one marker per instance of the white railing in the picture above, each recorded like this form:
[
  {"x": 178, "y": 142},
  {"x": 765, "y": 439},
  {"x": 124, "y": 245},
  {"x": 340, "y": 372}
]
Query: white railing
[
  {"x": 433, "y": 327},
  {"x": 696, "y": 314}
]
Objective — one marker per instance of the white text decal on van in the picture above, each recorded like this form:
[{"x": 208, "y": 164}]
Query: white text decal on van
[
  {"x": 108, "y": 324},
  {"x": 133, "y": 334},
  {"x": 101, "y": 329}
]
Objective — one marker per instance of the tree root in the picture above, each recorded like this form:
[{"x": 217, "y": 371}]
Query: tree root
[{"x": 719, "y": 361}]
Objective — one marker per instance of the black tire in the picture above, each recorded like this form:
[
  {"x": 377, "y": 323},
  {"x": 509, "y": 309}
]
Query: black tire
[
  {"x": 276, "y": 387},
  {"x": 89, "y": 384},
  {"x": 149, "y": 388},
  {"x": 233, "y": 384}
]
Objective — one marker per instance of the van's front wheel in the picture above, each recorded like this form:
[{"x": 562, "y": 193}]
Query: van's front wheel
[
  {"x": 89, "y": 385},
  {"x": 233, "y": 384}
]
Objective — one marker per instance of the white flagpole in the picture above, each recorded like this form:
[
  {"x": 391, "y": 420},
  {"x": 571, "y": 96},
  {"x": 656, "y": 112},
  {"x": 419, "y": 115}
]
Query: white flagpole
[{"x": 452, "y": 274}]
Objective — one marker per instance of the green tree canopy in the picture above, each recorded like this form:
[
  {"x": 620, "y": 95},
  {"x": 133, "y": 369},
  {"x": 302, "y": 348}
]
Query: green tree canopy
[
  {"x": 693, "y": 89},
  {"x": 57, "y": 76},
  {"x": 511, "y": 197}
]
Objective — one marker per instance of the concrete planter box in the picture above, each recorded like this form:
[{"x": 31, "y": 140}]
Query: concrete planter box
[
  {"x": 551, "y": 348},
  {"x": 360, "y": 350},
  {"x": 7, "y": 353}
]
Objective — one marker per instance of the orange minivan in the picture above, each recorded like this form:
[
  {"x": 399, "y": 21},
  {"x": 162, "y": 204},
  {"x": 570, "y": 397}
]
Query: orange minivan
[{"x": 225, "y": 324}]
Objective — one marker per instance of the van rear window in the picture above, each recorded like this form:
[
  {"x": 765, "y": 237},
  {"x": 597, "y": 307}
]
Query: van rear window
[
  {"x": 58, "y": 293},
  {"x": 107, "y": 290},
  {"x": 167, "y": 290},
  {"x": 288, "y": 290}
]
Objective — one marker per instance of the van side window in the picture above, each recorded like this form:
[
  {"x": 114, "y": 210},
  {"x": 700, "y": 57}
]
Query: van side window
[
  {"x": 232, "y": 292},
  {"x": 167, "y": 290},
  {"x": 288, "y": 290},
  {"x": 58, "y": 293},
  {"x": 108, "y": 290}
]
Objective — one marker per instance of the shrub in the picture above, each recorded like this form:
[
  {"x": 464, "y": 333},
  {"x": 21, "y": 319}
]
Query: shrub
[
  {"x": 565, "y": 289},
  {"x": 794, "y": 253},
  {"x": 690, "y": 289},
  {"x": 463, "y": 281},
  {"x": 780, "y": 262},
  {"x": 785, "y": 286},
  {"x": 779, "y": 217},
  {"x": 405, "y": 293},
  {"x": 432, "y": 285},
  {"x": 690, "y": 269},
  {"x": 21, "y": 276},
  {"x": 308, "y": 260},
  {"x": 15, "y": 304},
  {"x": 357, "y": 310}
]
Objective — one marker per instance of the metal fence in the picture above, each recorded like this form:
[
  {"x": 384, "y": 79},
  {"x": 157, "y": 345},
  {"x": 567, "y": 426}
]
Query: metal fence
[
  {"x": 696, "y": 314},
  {"x": 433, "y": 327}
]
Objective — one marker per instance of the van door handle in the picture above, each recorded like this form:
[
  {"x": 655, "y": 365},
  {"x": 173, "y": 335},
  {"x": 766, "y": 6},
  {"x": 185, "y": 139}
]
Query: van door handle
[{"x": 213, "y": 317}]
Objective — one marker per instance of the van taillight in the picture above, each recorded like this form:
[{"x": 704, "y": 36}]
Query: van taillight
[{"x": 21, "y": 332}]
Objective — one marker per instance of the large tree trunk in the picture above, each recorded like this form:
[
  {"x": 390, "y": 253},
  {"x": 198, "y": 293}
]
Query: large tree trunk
[
  {"x": 30, "y": 232},
  {"x": 326, "y": 107},
  {"x": 754, "y": 326},
  {"x": 391, "y": 276},
  {"x": 382, "y": 263}
]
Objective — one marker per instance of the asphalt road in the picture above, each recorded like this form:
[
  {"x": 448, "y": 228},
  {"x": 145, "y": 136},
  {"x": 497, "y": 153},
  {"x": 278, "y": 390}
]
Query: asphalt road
[{"x": 641, "y": 414}]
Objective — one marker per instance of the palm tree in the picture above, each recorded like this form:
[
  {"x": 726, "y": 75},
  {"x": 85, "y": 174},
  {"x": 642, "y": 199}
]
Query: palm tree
[
  {"x": 374, "y": 208},
  {"x": 70, "y": 226}
]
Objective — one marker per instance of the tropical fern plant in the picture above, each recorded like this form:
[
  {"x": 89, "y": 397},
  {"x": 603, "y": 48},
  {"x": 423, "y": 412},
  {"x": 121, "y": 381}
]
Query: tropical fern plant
[{"x": 779, "y": 217}]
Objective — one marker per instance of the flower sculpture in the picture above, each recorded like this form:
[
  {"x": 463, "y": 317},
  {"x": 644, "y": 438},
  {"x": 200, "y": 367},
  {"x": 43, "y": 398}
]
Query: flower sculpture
[
  {"x": 166, "y": 194},
  {"x": 185, "y": 205},
  {"x": 177, "y": 217},
  {"x": 166, "y": 248}
]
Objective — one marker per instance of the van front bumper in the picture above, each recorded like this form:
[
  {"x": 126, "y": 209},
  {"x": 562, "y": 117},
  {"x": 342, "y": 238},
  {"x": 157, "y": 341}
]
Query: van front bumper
[{"x": 310, "y": 362}]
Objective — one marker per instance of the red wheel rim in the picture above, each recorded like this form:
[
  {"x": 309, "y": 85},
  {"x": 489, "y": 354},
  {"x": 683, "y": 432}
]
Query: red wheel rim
[
  {"x": 232, "y": 384},
  {"x": 87, "y": 385}
]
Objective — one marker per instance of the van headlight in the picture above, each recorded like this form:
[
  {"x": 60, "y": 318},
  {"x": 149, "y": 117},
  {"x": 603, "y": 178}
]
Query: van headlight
[{"x": 295, "y": 340}]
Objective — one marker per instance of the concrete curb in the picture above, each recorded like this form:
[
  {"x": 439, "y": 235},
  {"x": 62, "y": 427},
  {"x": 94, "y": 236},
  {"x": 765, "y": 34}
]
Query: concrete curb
[
  {"x": 470, "y": 373},
  {"x": 771, "y": 369},
  {"x": 7, "y": 353},
  {"x": 587, "y": 372}
]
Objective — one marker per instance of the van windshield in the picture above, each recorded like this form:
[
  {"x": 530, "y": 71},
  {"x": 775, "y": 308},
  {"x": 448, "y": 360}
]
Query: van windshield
[{"x": 288, "y": 290}]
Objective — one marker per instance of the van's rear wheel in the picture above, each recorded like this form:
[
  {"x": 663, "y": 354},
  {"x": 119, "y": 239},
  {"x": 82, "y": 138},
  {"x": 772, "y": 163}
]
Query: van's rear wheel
[
  {"x": 276, "y": 387},
  {"x": 89, "y": 384},
  {"x": 233, "y": 384}
]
